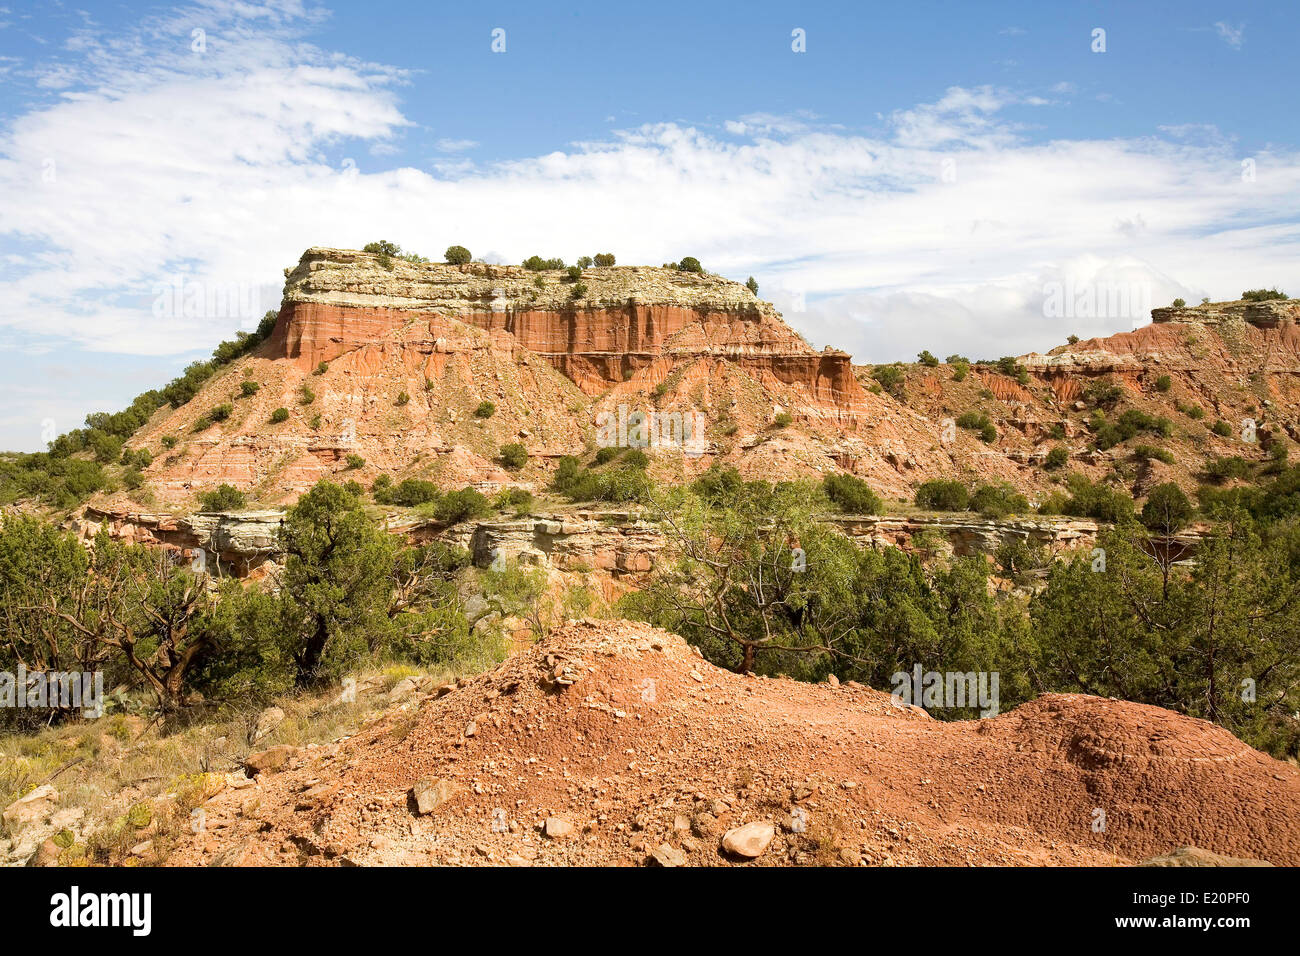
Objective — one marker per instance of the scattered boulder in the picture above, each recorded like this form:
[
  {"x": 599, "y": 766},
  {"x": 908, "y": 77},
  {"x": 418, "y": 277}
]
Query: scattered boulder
[
  {"x": 1195, "y": 856},
  {"x": 667, "y": 855},
  {"x": 29, "y": 809},
  {"x": 273, "y": 759},
  {"x": 429, "y": 795},
  {"x": 557, "y": 828},
  {"x": 749, "y": 841},
  {"x": 266, "y": 723}
]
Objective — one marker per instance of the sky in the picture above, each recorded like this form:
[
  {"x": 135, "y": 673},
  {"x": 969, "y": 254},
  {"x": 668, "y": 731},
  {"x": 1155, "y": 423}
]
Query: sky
[{"x": 980, "y": 179}]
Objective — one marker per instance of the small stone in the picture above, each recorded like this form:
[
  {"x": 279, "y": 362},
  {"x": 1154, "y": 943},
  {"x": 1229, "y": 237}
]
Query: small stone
[
  {"x": 666, "y": 855},
  {"x": 557, "y": 828},
  {"x": 749, "y": 841},
  {"x": 429, "y": 795},
  {"x": 272, "y": 759},
  {"x": 266, "y": 723}
]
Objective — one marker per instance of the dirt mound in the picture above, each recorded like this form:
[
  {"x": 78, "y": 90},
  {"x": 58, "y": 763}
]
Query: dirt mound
[{"x": 614, "y": 743}]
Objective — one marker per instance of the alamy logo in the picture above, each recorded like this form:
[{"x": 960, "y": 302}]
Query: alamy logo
[
  {"x": 653, "y": 429},
  {"x": 73, "y": 909},
  {"x": 933, "y": 690},
  {"x": 83, "y": 690}
]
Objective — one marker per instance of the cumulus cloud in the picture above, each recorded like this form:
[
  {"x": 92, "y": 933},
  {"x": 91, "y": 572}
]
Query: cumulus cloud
[{"x": 941, "y": 229}]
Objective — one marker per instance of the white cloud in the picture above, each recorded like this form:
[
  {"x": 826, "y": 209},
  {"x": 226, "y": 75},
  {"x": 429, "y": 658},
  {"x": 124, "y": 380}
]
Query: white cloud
[
  {"x": 1233, "y": 36},
  {"x": 456, "y": 145},
  {"x": 940, "y": 230}
]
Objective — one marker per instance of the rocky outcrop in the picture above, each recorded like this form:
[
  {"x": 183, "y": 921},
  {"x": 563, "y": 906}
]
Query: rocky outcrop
[
  {"x": 1270, "y": 314},
  {"x": 239, "y": 543},
  {"x": 629, "y": 318}
]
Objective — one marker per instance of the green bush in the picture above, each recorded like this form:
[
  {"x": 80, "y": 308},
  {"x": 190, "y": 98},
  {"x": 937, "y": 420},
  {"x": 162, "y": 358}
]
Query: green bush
[
  {"x": 607, "y": 454},
  {"x": 752, "y": 285},
  {"x": 1148, "y": 452},
  {"x": 538, "y": 264},
  {"x": 307, "y": 396},
  {"x": 604, "y": 259},
  {"x": 1227, "y": 468},
  {"x": 584, "y": 262},
  {"x": 926, "y": 358},
  {"x": 169, "y": 441},
  {"x": 891, "y": 379},
  {"x": 690, "y": 264},
  {"x": 1164, "y": 383},
  {"x": 355, "y": 461},
  {"x": 280, "y": 415},
  {"x": 1262, "y": 295},
  {"x": 1091, "y": 500},
  {"x": 1058, "y": 457},
  {"x": 513, "y": 456},
  {"x": 579, "y": 291},
  {"x": 321, "y": 369},
  {"x": 783, "y": 420},
  {"x": 247, "y": 389},
  {"x": 851, "y": 494},
  {"x": 998, "y": 500},
  {"x": 220, "y": 413},
  {"x": 940, "y": 494},
  {"x": 1222, "y": 429},
  {"x": 402, "y": 398},
  {"x": 1179, "y": 303},
  {"x": 457, "y": 255},
  {"x": 223, "y": 498},
  {"x": 573, "y": 273},
  {"x": 485, "y": 410}
]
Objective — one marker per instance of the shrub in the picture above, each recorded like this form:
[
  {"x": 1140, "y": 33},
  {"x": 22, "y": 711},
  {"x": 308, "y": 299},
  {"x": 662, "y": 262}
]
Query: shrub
[
  {"x": 1102, "y": 392},
  {"x": 1167, "y": 509},
  {"x": 607, "y": 454},
  {"x": 321, "y": 369},
  {"x": 280, "y": 415},
  {"x": 960, "y": 370},
  {"x": 940, "y": 494},
  {"x": 584, "y": 262},
  {"x": 1262, "y": 295},
  {"x": 579, "y": 291},
  {"x": 891, "y": 379},
  {"x": 1227, "y": 468},
  {"x": 538, "y": 264},
  {"x": 457, "y": 255},
  {"x": 573, "y": 273},
  {"x": 485, "y": 410},
  {"x": 1058, "y": 457},
  {"x": 604, "y": 259},
  {"x": 998, "y": 500},
  {"x": 248, "y": 389},
  {"x": 783, "y": 420},
  {"x": 384, "y": 251},
  {"x": 1163, "y": 383},
  {"x": 752, "y": 285},
  {"x": 458, "y": 506},
  {"x": 514, "y": 456},
  {"x": 169, "y": 441},
  {"x": 979, "y": 422},
  {"x": 690, "y": 264},
  {"x": 222, "y": 498},
  {"x": 402, "y": 398},
  {"x": 1179, "y": 303},
  {"x": 1147, "y": 452},
  {"x": 926, "y": 359},
  {"x": 307, "y": 396},
  {"x": 851, "y": 494},
  {"x": 355, "y": 461},
  {"x": 1073, "y": 340},
  {"x": 221, "y": 412},
  {"x": 315, "y": 422},
  {"x": 1222, "y": 429},
  {"x": 1091, "y": 500}
]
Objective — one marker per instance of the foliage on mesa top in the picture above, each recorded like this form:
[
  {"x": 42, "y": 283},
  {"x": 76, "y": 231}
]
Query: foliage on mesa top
[
  {"x": 74, "y": 467},
  {"x": 1263, "y": 295}
]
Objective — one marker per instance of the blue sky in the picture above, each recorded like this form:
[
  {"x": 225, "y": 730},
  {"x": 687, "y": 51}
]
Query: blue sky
[{"x": 921, "y": 177}]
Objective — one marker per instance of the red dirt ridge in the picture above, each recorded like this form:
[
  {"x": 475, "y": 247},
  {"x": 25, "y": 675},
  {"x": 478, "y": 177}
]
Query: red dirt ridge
[{"x": 612, "y": 742}]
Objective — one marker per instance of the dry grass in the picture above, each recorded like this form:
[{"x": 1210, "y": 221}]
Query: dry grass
[{"x": 138, "y": 781}]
